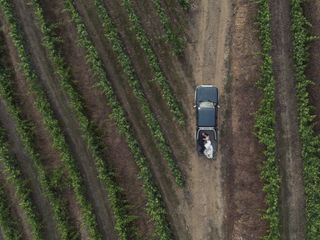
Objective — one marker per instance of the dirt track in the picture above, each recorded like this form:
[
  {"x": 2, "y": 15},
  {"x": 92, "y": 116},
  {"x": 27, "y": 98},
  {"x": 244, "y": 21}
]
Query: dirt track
[
  {"x": 208, "y": 51},
  {"x": 288, "y": 146}
]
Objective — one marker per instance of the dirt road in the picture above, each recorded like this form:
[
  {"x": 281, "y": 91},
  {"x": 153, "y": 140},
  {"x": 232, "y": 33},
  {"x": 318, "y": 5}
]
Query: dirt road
[
  {"x": 289, "y": 151},
  {"x": 208, "y": 50}
]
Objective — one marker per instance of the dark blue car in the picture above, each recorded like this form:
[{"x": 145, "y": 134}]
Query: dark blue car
[{"x": 206, "y": 105}]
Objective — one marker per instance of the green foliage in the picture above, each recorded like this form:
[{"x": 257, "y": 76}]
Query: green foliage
[
  {"x": 185, "y": 4},
  {"x": 158, "y": 75},
  {"x": 265, "y": 126},
  {"x": 22, "y": 192},
  {"x": 58, "y": 139},
  {"x": 7, "y": 222},
  {"x": 25, "y": 131},
  {"x": 155, "y": 206},
  {"x": 122, "y": 220},
  {"x": 171, "y": 37},
  {"x": 124, "y": 60},
  {"x": 309, "y": 140}
]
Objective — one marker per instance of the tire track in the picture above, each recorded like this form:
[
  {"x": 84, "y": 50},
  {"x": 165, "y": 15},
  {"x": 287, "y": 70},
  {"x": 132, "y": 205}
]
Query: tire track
[{"x": 289, "y": 150}]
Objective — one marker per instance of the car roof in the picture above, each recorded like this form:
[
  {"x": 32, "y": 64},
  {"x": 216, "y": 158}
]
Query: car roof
[{"x": 206, "y": 117}]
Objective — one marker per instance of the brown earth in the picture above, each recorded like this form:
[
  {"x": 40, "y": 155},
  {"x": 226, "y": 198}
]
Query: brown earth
[
  {"x": 196, "y": 213},
  {"x": 242, "y": 154},
  {"x": 288, "y": 145}
]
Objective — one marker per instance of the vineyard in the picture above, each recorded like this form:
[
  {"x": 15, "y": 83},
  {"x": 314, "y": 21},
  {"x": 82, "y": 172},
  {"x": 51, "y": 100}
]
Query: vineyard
[{"x": 97, "y": 121}]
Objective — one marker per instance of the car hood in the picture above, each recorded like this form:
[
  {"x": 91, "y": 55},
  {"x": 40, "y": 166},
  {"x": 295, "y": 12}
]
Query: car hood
[{"x": 206, "y": 117}]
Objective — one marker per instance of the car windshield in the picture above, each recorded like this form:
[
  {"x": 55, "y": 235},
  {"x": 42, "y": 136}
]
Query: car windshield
[{"x": 206, "y": 104}]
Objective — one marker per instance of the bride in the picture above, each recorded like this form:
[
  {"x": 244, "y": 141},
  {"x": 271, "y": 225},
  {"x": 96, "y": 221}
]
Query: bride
[{"x": 208, "y": 152}]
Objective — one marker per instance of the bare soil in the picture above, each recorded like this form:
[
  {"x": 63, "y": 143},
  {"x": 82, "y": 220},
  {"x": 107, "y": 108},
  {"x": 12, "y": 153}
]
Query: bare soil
[{"x": 288, "y": 145}]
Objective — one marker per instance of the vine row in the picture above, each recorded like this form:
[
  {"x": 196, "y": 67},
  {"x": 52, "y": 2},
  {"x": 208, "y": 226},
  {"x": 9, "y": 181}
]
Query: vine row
[
  {"x": 123, "y": 59},
  {"x": 25, "y": 131},
  {"x": 309, "y": 139},
  {"x": 52, "y": 125},
  {"x": 265, "y": 126},
  {"x": 171, "y": 37},
  {"x": 8, "y": 222},
  {"x": 22, "y": 192},
  {"x": 154, "y": 65},
  {"x": 122, "y": 220},
  {"x": 185, "y": 4},
  {"x": 155, "y": 206}
]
